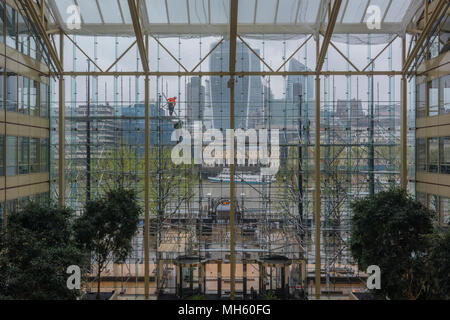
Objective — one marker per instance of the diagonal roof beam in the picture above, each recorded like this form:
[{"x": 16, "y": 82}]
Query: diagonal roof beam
[
  {"x": 434, "y": 16},
  {"x": 35, "y": 16},
  {"x": 138, "y": 32},
  {"x": 328, "y": 34},
  {"x": 344, "y": 56}
]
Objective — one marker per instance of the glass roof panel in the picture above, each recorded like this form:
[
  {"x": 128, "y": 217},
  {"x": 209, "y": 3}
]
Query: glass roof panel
[
  {"x": 382, "y": 4},
  {"x": 397, "y": 10},
  {"x": 198, "y": 11},
  {"x": 63, "y": 5},
  {"x": 110, "y": 11},
  {"x": 355, "y": 11},
  {"x": 219, "y": 11},
  {"x": 265, "y": 11},
  {"x": 308, "y": 11},
  {"x": 341, "y": 11},
  {"x": 125, "y": 11},
  {"x": 177, "y": 11},
  {"x": 287, "y": 11},
  {"x": 89, "y": 11},
  {"x": 246, "y": 11},
  {"x": 156, "y": 11}
]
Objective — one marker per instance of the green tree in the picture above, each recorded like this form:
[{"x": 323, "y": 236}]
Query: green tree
[
  {"x": 389, "y": 230},
  {"x": 35, "y": 250},
  {"x": 439, "y": 265},
  {"x": 107, "y": 226}
]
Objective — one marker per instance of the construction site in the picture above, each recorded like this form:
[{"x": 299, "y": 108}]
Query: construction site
[{"x": 328, "y": 93}]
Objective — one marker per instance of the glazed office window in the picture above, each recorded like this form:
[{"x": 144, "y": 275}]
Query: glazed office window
[
  {"x": 433, "y": 203},
  {"x": 421, "y": 197},
  {"x": 2, "y": 215},
  {"x": 2, "y": 83},
  {"x": 2, "y": 160},
  {"x": 433, "y": 155},
  {"x": 24, "y": 155},
  {"x": 34, "y": 89},
  {"x": 421, "y": 154},
  {"x": 34, "y": 155},
  {"x": 33, "y": 48},
  {"x": 434, "y": 48},
  {"x": 433, "y": 97},
  {"x": 11, "y": 91},
  {"x": 421, "y": 103},
  {"x": 43, "y": 96},
  {"x": 444, "y": 151},
  {"x": 2, "y": 21},
  {"x": 11, "y": 27},
  {"x": 24, "y": 84},
  {"x": 22, "y": 39},
  {"x": 11, "y": 206},
  {"x": 22, "y": 202},
  {"x": 444, "y": 94},
  {"x": 44, "y": 154},
  {"x": 11, "y": 156},
  {"x": 445, "y": 211}
]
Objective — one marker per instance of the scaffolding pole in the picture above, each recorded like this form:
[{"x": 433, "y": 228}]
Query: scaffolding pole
[
  {"x": 61, "y": 132},
  {"x": 317, "y": 178},
  {"x": 146, "y": 184}
]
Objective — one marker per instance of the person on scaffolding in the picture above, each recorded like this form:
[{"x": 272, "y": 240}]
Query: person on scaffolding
[{"x": 171, "y": 102}]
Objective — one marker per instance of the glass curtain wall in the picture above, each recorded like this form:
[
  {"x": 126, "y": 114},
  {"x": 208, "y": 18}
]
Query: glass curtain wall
[{"x": 105, "y": 135}]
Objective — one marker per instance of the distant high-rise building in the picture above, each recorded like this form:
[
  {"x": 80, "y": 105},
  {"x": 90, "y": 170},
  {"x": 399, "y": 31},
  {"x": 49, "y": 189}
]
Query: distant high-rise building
[
  {"x": 133, "y": 126},
  {"x": 220, "y": 93},
  {"x": 255, "y": 101},
  {"x": 195, "y": 105},
  {"x": 299, "y": 85},
  {"x": 208, "y": 115}
]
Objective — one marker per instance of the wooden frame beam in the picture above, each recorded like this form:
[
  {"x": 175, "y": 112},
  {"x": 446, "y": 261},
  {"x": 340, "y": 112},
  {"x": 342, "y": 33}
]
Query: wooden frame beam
[
  {"x": 207, "y": 55},
  {"x": 379, "y": 53},
  {"x": 227, "y": 73},
  {"x": 232, "y": 66},
  {"x": 121, "y": 56},
  {"x": 82, "y": 51},
  {"x": 328, "y": 34},
  {"x": 170, "y": 54},
  {"x": 254, "y": 52},
  {"x": 344, "y": 56},
  {"x": 293, "y": 53},
  {"x": 138, "y": 32}
]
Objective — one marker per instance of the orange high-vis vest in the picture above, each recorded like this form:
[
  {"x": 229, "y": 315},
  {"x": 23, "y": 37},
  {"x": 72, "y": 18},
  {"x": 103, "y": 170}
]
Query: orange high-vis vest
[{"x": 171, "y": 100}]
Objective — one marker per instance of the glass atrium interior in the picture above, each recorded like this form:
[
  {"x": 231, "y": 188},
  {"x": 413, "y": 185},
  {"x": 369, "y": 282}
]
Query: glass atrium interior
[{"x": 323, "y": 91}]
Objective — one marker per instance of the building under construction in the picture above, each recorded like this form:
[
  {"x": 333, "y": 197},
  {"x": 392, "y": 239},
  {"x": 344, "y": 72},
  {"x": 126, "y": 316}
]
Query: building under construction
[{"x": 322, "y": 94}]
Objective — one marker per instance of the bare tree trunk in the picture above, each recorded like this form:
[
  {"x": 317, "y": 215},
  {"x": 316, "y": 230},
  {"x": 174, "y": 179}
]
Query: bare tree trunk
[{"x": 98, "y": 283}]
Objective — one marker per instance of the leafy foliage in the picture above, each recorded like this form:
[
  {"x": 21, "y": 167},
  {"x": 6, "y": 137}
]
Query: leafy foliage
[
  {"x": 389, "y": 230},
  {"x": 35, "y": 250},
  {"x": 439, "y": 266},
  {"x": 107, "y": 227}
]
